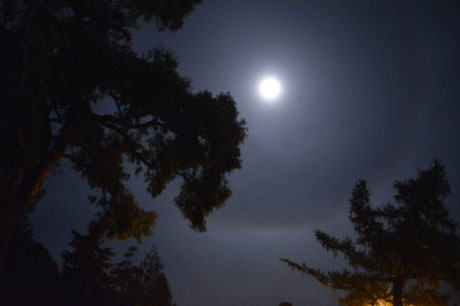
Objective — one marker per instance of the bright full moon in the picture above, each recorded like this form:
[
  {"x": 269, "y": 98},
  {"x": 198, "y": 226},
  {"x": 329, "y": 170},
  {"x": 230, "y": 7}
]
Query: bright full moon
[{"x": 270, "y": 88}]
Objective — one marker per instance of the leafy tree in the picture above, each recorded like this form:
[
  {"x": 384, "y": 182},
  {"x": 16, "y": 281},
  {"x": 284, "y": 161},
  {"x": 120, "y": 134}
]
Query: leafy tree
[
  {"x": 71, "y": 87},
  {"x": 402, "y": 253}
]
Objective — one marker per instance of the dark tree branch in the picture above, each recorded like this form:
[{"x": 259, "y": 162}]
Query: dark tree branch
[{"x": 33, "y": 179}]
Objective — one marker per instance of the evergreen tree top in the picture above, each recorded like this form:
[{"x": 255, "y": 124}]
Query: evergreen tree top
[{"x": 412, "y": 240}]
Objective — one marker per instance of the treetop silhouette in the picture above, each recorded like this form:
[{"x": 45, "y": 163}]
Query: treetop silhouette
[
  {"x": 402, "y": 253},
  {"x": 71, "y": 87}
]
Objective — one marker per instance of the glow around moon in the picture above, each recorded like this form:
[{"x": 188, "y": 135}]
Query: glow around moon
[{"x": 270, "y": 88}]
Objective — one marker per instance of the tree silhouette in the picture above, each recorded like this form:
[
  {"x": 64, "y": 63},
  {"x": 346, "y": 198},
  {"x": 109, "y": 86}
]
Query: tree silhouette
[
  {"x": 86, "y": 268},
  {"x": 142, "y": 284},
  {"x": 28, "y": 263},
  {"x": 154, "y": 284},
  {"x": 90, "y": 276},
  {"x": 402, "y": 253},
  {"x": 72, "y": 88},
  {"x": 125, "y": 277}
]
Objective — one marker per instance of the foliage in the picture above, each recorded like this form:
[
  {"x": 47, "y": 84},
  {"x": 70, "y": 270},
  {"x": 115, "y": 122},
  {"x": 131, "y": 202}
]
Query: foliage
[
  {"x": 85, "y": 270},
  {"x": 71, "y": 87},
  {"x": 88, "y": 272},
  {"x": 154, "y": 285},
  {"x": 402, "y": 253},
  {"x": 89, "y": 275},
  {"x": 125, "y": 275},
  {"x": 142, "y": 284}
]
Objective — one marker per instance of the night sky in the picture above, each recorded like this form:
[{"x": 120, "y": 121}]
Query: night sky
[{"x": 370, "y": 89}]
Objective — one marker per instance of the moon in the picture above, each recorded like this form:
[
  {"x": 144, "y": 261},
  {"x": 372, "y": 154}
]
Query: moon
[{"x": 270, "y": 88}]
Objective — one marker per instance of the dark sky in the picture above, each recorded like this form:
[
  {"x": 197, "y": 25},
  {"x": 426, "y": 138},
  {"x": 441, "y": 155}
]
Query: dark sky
[{"x": 370, "y": 90}]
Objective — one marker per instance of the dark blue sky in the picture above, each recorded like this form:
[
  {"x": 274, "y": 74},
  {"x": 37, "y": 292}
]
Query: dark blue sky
[{"x": 370, "y": 90}]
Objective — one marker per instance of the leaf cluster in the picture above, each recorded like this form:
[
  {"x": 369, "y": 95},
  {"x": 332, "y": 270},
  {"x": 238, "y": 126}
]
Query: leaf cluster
[{"x": 72, "y": 88}]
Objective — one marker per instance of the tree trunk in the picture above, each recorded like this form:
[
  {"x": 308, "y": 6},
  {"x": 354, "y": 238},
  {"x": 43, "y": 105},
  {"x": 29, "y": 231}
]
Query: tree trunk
[
  {"x": 398, "y": 285},
  {"x": 19, "y": 197}
]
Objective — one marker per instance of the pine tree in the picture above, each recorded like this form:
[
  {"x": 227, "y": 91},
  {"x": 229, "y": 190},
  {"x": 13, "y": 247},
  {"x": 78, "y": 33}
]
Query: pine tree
[
  {"x": 402, "y": 253},
  {"x": 126, "y": 276},
  {"x": 86, "y": 268},
  {"x": 142, "y": 284},
  {"x": 155, "y": 285}
]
